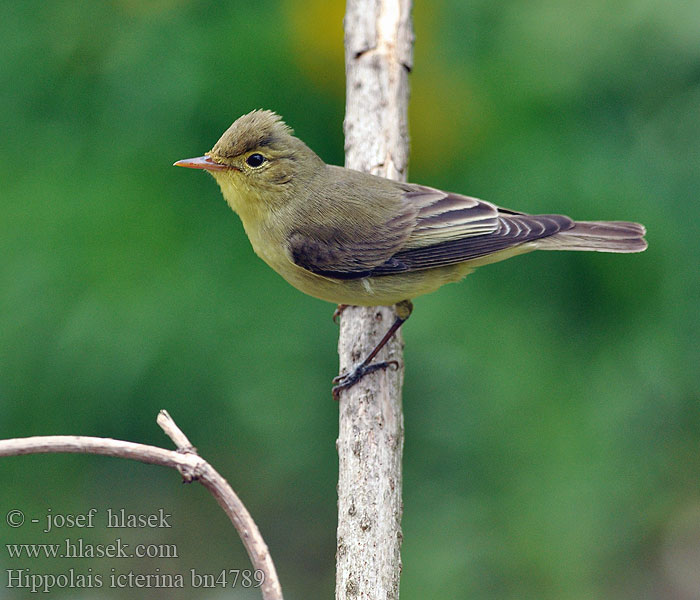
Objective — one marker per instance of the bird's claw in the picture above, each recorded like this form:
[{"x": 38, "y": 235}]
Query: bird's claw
[
  {"x": 347, "y": 380},
  {"x": 339, "y": 311}
]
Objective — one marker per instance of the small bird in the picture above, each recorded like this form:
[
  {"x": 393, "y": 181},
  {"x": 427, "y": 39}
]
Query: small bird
[{"x": 352, "y": 238}]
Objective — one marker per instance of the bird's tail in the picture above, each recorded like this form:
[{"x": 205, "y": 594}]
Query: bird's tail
[{"x": 600, "y": 236}]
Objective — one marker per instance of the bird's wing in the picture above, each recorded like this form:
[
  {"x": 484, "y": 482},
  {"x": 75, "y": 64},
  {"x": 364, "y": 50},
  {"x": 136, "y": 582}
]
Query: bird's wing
[
  {"x": 428, "y": 228},
  {"x": 354, "y": 248},
  {"x": 451, "y": 228}
]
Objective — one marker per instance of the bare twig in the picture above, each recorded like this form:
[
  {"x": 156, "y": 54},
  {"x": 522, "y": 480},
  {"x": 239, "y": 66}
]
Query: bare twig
[
  {"x": 168, "y": 425},
  {"x": 378, "y": 46},
  {"x": 186, "y": 461}
]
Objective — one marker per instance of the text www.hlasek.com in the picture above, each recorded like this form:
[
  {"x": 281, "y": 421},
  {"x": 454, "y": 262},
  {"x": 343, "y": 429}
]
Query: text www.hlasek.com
[{"x": 80, "y": 549}]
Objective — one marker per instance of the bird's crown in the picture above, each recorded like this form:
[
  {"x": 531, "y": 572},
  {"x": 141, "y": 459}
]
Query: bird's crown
[{"x": 258, "y": 129}]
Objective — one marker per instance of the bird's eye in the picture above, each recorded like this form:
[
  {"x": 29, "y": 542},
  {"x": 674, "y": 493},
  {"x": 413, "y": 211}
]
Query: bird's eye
[{"x": 255, "y": 160}]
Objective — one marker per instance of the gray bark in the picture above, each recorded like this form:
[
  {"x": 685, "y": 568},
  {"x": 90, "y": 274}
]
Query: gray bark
[{"x": 378, "y": 51}]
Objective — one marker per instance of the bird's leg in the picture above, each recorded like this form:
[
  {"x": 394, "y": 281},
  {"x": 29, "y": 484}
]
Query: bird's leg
[
  {"x": 347, "y": 380},
  {"x": 340, "y": 309}
]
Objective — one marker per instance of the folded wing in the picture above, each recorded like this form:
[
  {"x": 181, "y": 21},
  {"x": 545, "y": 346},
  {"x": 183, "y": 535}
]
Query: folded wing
[
  {"x": 431, "y": 229},
  {"x": 451, "y": 228}
]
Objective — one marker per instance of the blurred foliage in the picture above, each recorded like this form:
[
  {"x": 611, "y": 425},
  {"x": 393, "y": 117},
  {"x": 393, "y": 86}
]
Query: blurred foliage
[{"x": 552, "y": 424}]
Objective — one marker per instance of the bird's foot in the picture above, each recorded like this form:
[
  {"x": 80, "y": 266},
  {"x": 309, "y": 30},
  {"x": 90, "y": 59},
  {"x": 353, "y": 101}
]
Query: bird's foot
[
  {"x": 339, "y": 311},
  {"x": 347, "y": 380}
]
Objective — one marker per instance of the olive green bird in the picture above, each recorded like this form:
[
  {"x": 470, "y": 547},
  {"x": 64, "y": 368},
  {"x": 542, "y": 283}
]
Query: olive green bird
[{"x": 357, "y": 239}]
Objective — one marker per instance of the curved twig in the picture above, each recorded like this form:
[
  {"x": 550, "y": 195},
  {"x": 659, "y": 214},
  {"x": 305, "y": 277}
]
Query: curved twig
[{"x": 190, "y": 465}]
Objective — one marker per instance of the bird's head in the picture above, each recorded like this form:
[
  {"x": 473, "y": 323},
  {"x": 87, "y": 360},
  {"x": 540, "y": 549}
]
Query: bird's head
[{"x": 256, "y": 160}]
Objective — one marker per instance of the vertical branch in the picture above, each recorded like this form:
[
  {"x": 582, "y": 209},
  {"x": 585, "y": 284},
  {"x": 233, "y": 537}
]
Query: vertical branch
[{"x": 378, "y": 55}]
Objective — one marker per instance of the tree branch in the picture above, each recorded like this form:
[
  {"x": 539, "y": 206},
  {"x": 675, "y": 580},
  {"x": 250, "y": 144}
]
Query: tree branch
[
  {"x": 378, "y": 57},
  {"x": 190, "y": 465}
]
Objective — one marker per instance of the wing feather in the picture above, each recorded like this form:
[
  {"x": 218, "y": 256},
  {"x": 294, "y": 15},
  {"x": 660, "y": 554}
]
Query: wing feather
[
  {"x": 430, "y": 229},
  {"x": 511, "y": 231}
]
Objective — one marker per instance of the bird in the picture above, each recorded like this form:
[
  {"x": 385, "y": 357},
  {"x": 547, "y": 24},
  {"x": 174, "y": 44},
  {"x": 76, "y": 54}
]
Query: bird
[{"x": 353, "y": 238}]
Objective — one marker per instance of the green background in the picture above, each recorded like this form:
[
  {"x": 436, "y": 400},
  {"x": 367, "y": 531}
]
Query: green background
[{"x": 551, "y": 401}]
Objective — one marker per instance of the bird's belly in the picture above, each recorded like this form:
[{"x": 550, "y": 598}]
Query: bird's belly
[{"x": 373, "y": 291}]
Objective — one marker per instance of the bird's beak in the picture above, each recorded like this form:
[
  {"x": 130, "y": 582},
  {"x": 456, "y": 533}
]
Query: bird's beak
[{"x": 201, "y": 162}]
